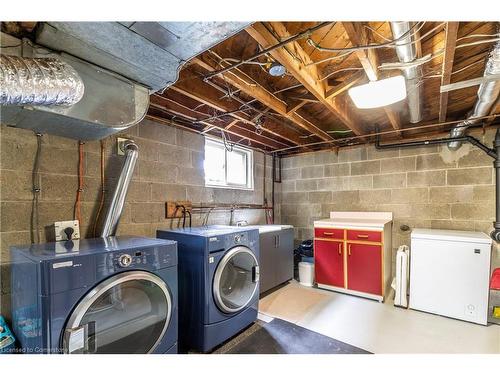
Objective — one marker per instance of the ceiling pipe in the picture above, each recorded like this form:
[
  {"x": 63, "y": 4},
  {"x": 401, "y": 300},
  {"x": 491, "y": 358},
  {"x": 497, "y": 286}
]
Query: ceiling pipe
[
  {"x": 38, "y": 81},
  {"x": 407, "y": 52},
  {"x": 115, "y": 210},
  {"x": 494, "y": 153},
  {"x": 487, "y": 95}
]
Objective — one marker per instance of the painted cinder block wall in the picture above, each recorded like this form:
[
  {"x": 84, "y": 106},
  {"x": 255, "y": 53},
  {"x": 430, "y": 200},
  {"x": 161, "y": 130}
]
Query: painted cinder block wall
[
  {"x": 426, "y": 187},
  {"x": 169, "y": 167}
]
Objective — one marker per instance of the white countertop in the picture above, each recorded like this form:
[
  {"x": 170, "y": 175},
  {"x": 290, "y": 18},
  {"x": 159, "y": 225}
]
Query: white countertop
[{"x": 356, "y": 220}]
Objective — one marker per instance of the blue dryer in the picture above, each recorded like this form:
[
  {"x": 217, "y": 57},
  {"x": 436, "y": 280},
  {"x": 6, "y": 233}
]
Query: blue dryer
[
  {"x": 218, "y": 283},
  {"x": 100, "y": 295}
]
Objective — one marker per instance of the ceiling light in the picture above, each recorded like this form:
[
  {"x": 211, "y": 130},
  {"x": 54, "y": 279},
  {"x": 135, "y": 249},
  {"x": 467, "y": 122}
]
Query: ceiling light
[
  {"x": 276, "y": 69},
  {"x": 379, "y": 93}
]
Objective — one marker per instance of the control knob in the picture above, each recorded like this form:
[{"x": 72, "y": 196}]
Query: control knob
[{"x": 125, "y": 260}]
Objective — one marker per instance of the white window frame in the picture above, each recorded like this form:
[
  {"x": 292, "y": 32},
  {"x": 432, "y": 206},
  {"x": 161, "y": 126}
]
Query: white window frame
[{"x": 249, "y": 166}]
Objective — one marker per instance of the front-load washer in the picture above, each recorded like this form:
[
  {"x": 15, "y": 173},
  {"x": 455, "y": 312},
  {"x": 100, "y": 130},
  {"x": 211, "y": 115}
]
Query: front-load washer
[
  {"x": 218, "y": 283},
  {"x": 100, "y": 295}
]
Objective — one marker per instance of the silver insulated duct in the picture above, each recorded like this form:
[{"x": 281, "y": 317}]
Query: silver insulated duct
[
  {"x": 38, "y": 81},
  {"x": 487, "y": 94},
  {"x": 407, "y": 52},
  {"x": 115, "y": 210}
]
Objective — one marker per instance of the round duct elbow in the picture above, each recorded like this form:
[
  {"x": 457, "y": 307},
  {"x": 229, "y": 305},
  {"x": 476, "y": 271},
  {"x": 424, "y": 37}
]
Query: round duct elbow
[
  {"x": 457, "y": 132},
  {"x": 38, "y": 81}
]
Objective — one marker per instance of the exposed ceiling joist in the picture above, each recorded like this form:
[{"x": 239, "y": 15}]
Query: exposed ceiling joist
[
  {"x": 234, "y": 130},
  {"x": 369, "y": 60},
  {"x": 345, "y": 85},
  {"x": 448, "y": 58},
  {"x": 205, "y": 94},
  {"x": 297, "y": 61},
  {"x": 256, "y": 91},
  {"x": 180, "y": 110}
]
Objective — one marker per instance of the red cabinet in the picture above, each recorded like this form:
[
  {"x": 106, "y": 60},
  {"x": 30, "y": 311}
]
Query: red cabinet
[
  {"x": 329, "y": 262},
  {"x": 353, "y": 260},
  {"x": 364, "y": 235},
  {"x": 364, "y": 268},
  {"x": 336, "y": 234}
]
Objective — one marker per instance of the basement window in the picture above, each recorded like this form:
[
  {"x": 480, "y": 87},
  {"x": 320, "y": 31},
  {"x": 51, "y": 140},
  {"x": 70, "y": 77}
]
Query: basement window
[{"x": 228, "y": 167}]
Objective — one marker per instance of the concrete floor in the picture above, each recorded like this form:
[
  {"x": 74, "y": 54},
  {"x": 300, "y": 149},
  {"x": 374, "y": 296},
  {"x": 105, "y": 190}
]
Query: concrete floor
[{"x": 377, "y": 327}]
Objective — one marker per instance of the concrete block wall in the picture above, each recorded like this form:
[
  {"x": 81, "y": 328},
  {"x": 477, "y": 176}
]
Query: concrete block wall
[
  {"x": 169, "y": 167},
  {"x": 424, "y": 187}
]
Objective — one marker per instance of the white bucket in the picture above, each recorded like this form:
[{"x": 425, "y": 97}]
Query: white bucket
[{"x": 306, "y": 273}]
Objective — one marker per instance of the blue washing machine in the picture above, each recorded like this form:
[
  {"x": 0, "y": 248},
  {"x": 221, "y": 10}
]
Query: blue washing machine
[
  {"x": 100, "y": 295},
  {"x": 218, "y": 283}
]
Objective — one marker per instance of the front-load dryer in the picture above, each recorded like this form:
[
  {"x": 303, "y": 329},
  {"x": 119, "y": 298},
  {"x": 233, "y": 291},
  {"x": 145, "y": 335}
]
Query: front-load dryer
[
  {"x": 100, "y": 295},
  {"x": 218, "y": 283}
]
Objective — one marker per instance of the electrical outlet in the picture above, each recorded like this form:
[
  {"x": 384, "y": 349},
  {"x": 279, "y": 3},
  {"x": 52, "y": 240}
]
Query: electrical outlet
[
  {"x": 60, "y": 230},
  {"x": 470, "y": 310}
]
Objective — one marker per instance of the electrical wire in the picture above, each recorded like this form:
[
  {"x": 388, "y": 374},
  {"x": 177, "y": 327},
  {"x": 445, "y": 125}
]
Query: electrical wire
[
  {"x": 339, "y": 71},
  {"x": 78, "y": 201},
  {"x": 390, "y": 44},
  {"x": 477, "y": 36},
  {"x": 103, "y": 190},
  {"x": 377, "y": 33},
  {"x": 36, "y": 189}
]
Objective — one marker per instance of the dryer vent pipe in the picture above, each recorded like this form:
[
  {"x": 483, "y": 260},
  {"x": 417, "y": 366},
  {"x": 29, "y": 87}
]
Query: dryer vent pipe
[
  {"x": 487, "y": 94},
  {"x": 118, "y": 201}
]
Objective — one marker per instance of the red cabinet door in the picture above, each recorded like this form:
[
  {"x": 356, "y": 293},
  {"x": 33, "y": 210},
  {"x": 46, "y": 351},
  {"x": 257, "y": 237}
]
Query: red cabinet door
[
  {"x": 328, "y": 263},
  {"x": 364, "y": 268}
]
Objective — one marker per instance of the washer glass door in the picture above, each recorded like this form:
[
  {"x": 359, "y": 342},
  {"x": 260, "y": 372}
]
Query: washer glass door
[
  {"x": 236, "y": 279},
  {"x": 127, "y": 313}
]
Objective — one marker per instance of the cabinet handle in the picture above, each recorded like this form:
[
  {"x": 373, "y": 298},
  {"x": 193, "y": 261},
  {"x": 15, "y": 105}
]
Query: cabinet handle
[
  {"x": 328, "y": 233},
  {"x": 362, "y": 236},
  {"x": 349, "y": 250},
  {"x": 340, "y": 248}
]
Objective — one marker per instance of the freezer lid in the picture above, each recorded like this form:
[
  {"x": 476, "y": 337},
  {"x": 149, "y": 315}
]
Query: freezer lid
[{"x": 451, "y": 235}]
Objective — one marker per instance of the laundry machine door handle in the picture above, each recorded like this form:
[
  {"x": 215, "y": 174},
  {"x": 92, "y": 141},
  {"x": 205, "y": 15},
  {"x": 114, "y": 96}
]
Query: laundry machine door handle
[{"x": 255, "y": 274}]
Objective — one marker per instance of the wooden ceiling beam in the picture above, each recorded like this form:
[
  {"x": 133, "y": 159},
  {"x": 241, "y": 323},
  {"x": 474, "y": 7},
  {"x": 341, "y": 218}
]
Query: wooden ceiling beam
[
  {"x": 295, "y": 106},
  {"x": 451, "y": 33},
  {"x": 296, "y": 61},
  {"x": 368, "y": 58},
  {"x": 258, "y": 92},
  {"x": 234, "y": 130},
  {"x": 177, "y": 109},
  {"x": 203, "y": 93},
  {"x": 345, "y": 85},
  {"x": 358, "y": 35}
]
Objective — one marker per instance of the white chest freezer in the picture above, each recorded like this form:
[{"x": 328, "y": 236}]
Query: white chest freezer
[{"x": 449, "y": 273}]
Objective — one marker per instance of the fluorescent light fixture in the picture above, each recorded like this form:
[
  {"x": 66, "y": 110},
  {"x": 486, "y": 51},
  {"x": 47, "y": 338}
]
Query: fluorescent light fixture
[{"x": 379, "y": 93}]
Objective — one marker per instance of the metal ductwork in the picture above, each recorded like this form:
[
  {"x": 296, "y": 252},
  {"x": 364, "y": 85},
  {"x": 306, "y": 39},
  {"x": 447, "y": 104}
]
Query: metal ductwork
[
  {"x": 407, "y": 52},
  {"x": 115, "y": 210},
  {"x": 487, "y": 95},
  {"x": 38, "y": 82},
  {"x": 119, "y": 63}
]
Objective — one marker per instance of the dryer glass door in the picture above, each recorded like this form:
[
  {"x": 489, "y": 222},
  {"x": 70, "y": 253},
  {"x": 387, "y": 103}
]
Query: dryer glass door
[
  {"x": 236, "y": 279},
  {"x": 127, "y": 313}
]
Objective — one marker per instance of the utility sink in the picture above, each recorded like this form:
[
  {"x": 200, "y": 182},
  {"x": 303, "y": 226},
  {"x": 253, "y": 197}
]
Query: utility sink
[{"x": 268, "y": 227}]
